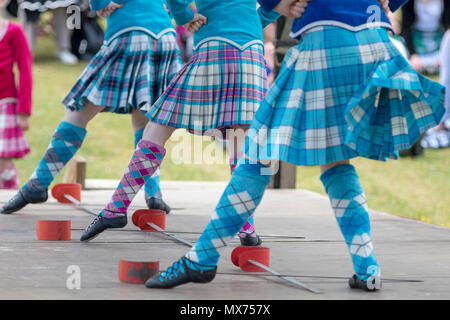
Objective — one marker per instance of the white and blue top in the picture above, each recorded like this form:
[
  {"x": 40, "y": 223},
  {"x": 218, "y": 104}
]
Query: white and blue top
[
  {"x": 149, "y": 16},
  {"x": 236, "y": 22},
  {"x": 353, "y": 15}
]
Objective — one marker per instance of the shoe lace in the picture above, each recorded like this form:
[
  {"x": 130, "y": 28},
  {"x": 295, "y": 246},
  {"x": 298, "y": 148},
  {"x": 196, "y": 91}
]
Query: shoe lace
[
  {"x": 93, "y": 222},
  {"x": 178, "y": 266}
]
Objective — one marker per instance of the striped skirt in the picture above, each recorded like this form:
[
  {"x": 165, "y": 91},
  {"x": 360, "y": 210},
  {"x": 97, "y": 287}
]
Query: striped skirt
[
  {"x": 129, "y": 72},
  {"x": 220, "y": 87},
  {"x": 343, "y": 94},
  {"x": 12, "y": 141}
]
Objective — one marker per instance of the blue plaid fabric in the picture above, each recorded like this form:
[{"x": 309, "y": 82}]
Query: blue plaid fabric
[
  {"x": 342, "y": 94},
  {"x": 66, "y": 141},
  {"x": 129, "y": 72},
  {"x": 238, "y": 202},
  {"x": 350, "y": 208}
]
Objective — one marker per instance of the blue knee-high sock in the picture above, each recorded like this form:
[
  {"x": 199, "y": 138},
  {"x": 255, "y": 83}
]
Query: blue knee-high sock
[
  {"x": 66, "y": 141},
  {"x": 238, "y": 202},
  {"x": 151, "y": 188},
  {"x": 249, "y": 226},
  {"x": 350, "y": 207}
]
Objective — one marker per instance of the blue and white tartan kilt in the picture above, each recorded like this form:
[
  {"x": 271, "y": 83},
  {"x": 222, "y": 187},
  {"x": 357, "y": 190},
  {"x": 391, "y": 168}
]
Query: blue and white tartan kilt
[
  {"x": 343, "y": 94},
  {"x": 129, "y": 72}
]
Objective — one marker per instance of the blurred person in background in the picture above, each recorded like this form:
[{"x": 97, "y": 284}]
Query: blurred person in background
[
  {"x": 15, "y": 100},
  {"x": 423, "y": 25},
  {"x": 185, "y": 40},
  {"x": 131, "y": 70},
  {"x": 439, "y": 137},
  {"x": 87, "y": 40},
  {"x": 29, "y": 13},
  {"x": 269, "y": 34}
]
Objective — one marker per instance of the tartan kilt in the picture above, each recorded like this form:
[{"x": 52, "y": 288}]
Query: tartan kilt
[
  {"x": 221, "y": 87},
  {"x": 343, "y": 94},
  {"x": 12, "y": 141},
  {"x": 129, "y": 72}
]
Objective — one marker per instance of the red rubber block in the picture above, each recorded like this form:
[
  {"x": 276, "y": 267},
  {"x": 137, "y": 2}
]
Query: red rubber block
[
  {"x": 53, "y": 230},
  {"x": 137, "y": 272},
  {"x": 141, "y": 217},
  {"x": 238, "y": 251},
  {"x": 241, "y": 255},
  {"x": 73, "y": 189},
  {"x": 158, "y": 219}
]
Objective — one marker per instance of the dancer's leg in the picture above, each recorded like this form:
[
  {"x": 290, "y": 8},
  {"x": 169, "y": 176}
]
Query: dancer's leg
[
  {"x": 153, "y": 195},
  {"x": 349, "y": 203},
  {"x": 145, "y": 161},
  {"x": 66, "y": 141},
  {"x": 236, "y": 139},
  {"x": 238, "y": 202},
  {"x": 63, "y": 34}
]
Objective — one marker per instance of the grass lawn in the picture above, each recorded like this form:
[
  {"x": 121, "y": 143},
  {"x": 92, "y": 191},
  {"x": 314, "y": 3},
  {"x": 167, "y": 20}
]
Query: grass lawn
[{"x": 412, "y": 187}]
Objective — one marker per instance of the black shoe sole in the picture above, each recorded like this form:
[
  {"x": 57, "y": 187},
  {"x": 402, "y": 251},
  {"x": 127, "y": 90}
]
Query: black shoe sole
[
  {"x": 356, "y": 283},
  {"x": 23, "y": 204},
  {"x": 157, "y": 204},
  {"x": 249, "y": 241},
  {"x": 194, "y": 276},
  {"x": 101, "y": 227}
]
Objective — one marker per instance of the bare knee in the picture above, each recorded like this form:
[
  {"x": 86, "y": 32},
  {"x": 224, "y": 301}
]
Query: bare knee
[
  {"x": 82, "y": 117},
  {"x": 157, "y": 133},
  {"x": 138, "y": 120}
]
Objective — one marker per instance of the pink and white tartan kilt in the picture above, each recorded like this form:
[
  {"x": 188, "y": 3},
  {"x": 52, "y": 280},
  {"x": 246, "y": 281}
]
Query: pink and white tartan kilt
[
  {"x": 12, "y": 141},
  {"x": 221, "y": 87}
]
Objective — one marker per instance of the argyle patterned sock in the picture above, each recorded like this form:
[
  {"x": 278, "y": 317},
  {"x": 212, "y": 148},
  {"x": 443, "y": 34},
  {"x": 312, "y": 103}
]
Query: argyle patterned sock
[
  {"x": 65, "y": 142},
  {"x": 145, "y": 161},
  {"x": 249, "y": 226},
  {"x": 237, "y": 204},
  {"x": 151, "y": 188},
  {"x": 350, "y": 207}
]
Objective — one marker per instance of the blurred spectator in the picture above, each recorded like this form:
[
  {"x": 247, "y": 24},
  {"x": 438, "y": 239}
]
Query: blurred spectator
[
  {"x": 29, "y": 12},
  {"x": 185, "y": 41},
  {"x": 87, "y": 40},
  {"x": 396, "y": 38},
  {"x": 423, "y": 25},
  {"x": 269, "y": 34},
  {"x": 15, "y": 98},
  {"x": 439, "y": 137}
]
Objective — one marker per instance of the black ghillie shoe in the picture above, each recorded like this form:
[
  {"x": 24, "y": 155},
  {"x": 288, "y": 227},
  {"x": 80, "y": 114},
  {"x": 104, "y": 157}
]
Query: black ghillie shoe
[
  {"x": 249, "y": 239},
  {"x": 157, "y": 204},
  {"x": 100, "y": 224},
  {"x": 371, "y": 284},
  {"x": 22, "y": 198},
  {"x": 179, "y": 273}
]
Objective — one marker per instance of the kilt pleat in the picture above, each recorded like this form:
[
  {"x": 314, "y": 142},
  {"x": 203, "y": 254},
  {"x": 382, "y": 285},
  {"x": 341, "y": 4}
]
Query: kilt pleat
[
  {"x": 129, "y": 72},
  {"x": 222, "y": 86},
  {"x": 343, "y": 94}
]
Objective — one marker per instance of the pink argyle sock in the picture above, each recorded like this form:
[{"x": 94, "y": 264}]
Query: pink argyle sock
[{"x": 145, "y": 161}]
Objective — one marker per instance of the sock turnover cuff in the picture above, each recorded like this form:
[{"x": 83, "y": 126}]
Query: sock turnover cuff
[
  {"x": 336, "y": 172},
  {"x": 70, "y": 132},
  {"x": 254, "y": 171},
  {"x": 151, "y": 151}
]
